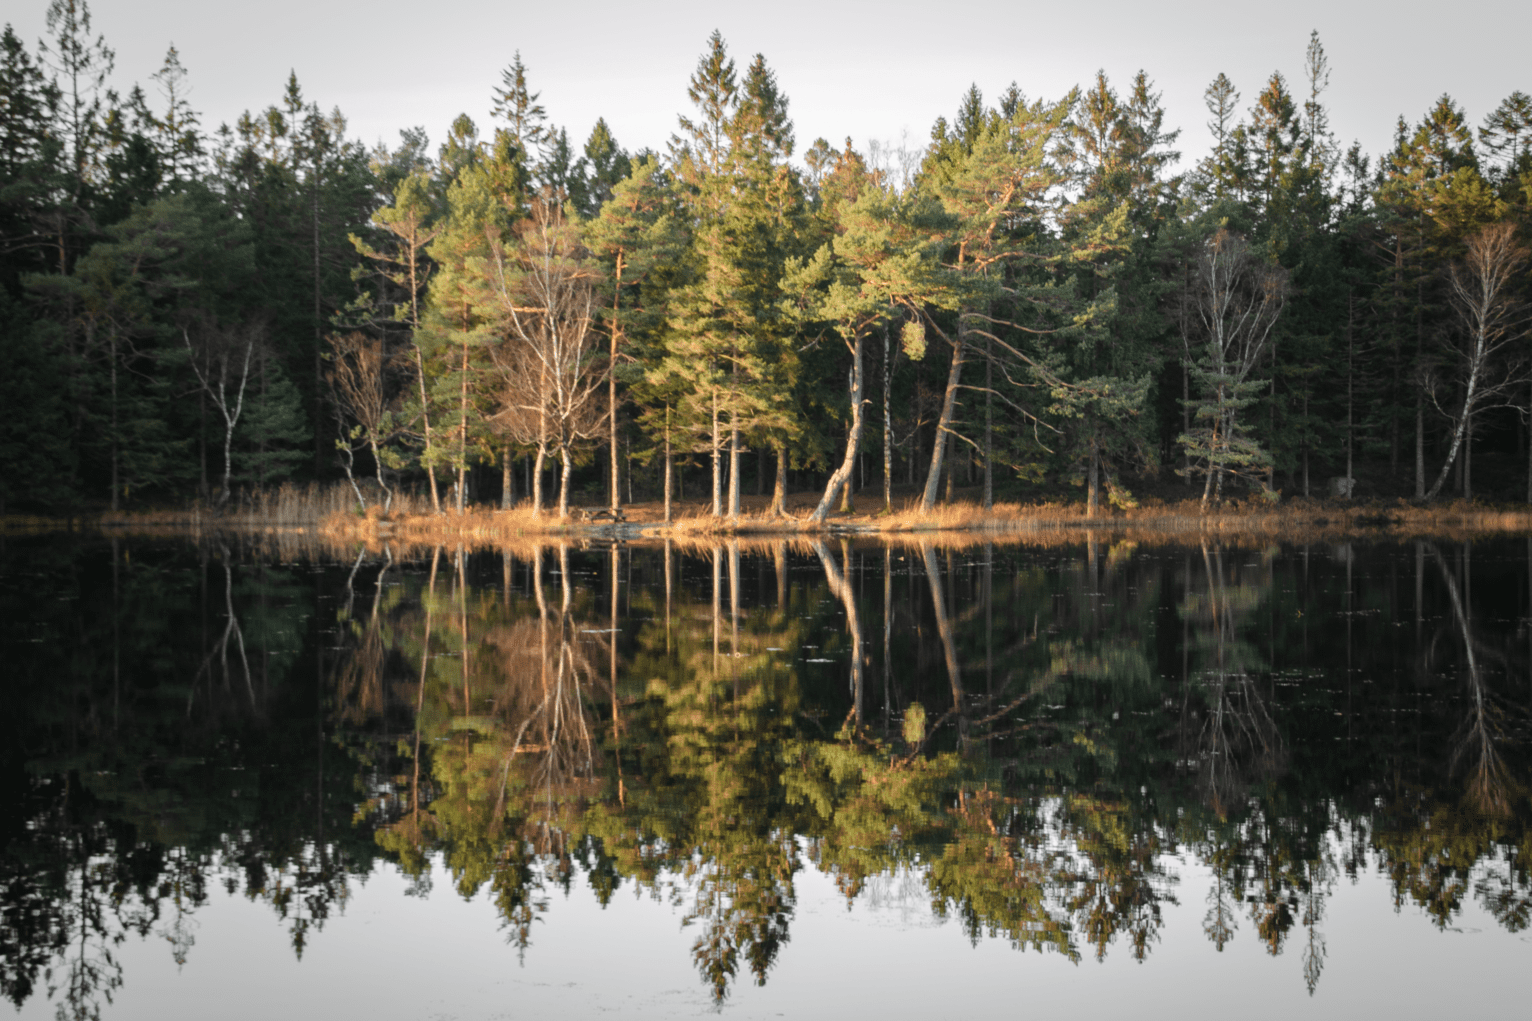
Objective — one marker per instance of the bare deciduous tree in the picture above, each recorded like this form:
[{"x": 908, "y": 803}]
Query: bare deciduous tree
[
  {"x": 1235, "y": 297},
  {"x": 357, "y": 388},
  {"x": 551, "y": 362},
  {"x": 1492, "y": 321},
  {"x": 220, "y": 358}
]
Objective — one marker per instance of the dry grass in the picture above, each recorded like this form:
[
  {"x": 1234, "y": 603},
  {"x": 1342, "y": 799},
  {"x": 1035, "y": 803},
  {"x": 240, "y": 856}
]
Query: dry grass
[
  {"x": 961, "y": 523},
  {"x": 1185, "y": 518},
  {"x": 329, "y": 515}
]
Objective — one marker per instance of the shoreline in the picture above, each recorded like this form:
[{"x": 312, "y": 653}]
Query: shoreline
[{"x": 961, "y": 523}]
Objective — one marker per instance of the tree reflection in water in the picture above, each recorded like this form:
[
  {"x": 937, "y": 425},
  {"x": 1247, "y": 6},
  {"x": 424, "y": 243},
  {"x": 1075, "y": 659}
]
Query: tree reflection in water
[{"x": 704, "y": 723}]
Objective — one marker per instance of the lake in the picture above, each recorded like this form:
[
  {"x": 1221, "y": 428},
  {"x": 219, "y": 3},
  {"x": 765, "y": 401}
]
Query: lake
[{"x": 259, "y": 778}]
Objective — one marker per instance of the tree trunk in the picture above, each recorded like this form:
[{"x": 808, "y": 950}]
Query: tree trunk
[
  {"x": 1093, "y": 482},
  {"x": 377, "y": 463},
  {"x": 537, "y": 479},
  {"x": 943, "y": 425},
  {"x": 1350, "y": 435},
  {"x": 1420, "y": 407},
  {"x": 717, "y": 462},
  {"x": 564, "y": 462},
  {"x": 318, "y": 332},
  {"x": 507, "y": 480},
  {"x": 116, "y": 481},
  {"x": 462, "y": 433},
  {"x": 950, "y": 467},
  {"x": 734, "y": 466},
  {"x": 1271, "y": 424},
  {"x": 779, "y": 488},
  {"x": 989, "y": 383},
  {"x": 669, "y": 466},
  {"x": 1420, "y": 446},
  {"x": 888, "y": 432},
  {"x": 201, "y": 443},
  {"x": 1186, "y": 416},
  {"x": 841, "y": 477},
  {"x": 611, "y": 409},
  {"x": 425, "y": 419},
  {"x": 1457, "y": 435},
  {"x": 1468, "y": 461}
]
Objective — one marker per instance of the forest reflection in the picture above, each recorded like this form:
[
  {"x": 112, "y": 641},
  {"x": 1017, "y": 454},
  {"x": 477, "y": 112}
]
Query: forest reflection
[{"x": 1037, "y": 742}]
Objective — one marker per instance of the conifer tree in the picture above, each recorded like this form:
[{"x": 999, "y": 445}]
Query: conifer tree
[
  {"x": 177, "y": 130},
  {"x": 881, "y": 266},
  {"x": 411, "y": 222},
  {"x": 635, "y": 232},
  {"x": 83, "y": 62},
  {"x": 483, "y": 203},
  {"x": 1000, "y": 188}
]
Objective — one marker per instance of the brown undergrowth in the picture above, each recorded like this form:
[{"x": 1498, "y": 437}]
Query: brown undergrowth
[
  {"x": 329, "y": 514},
  {"x": 960, "y": 524}
]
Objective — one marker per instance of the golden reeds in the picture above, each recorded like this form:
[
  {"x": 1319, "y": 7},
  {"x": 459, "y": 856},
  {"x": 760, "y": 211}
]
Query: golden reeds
[
  {"x": 1299, "y": 521},
  {"x": 330, "y": 515}
]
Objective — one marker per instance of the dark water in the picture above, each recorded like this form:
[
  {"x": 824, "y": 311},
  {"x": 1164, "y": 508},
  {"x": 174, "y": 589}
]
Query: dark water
[{"x": 252, "y": 781}]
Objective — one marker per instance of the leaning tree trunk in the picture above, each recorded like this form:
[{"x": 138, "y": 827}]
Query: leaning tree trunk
[
  {"x": 943, "y": 425},
  {"x": 425, "y": 420},
  {"x": 842, "y": 475},
  {"x": 377, "y": 462},
  {"x": 1469, "y": 396}
]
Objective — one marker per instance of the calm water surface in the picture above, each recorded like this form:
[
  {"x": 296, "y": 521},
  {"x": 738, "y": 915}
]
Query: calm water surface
[{"x": 255, "y": 780}]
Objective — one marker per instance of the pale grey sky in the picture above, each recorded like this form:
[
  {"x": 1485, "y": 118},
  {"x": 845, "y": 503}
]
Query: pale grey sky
[{"x": 850, "y": 67}]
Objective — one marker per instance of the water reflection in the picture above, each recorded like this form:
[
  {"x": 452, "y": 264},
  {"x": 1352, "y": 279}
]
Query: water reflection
[{"x": 1037, "y": 738}]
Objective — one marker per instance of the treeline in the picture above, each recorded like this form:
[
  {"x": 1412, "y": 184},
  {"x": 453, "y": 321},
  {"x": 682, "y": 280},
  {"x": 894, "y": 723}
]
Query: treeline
[{"x": 1046, "y": 293}]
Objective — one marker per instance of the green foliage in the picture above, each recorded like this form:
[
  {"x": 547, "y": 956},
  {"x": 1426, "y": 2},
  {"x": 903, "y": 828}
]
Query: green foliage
[
  {"x": 275, "y": 431},
  {"x": 1044, "y": 244}
]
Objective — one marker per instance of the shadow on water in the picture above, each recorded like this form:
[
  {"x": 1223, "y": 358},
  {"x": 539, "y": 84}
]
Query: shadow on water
[{"x": 1031, "y": 738}]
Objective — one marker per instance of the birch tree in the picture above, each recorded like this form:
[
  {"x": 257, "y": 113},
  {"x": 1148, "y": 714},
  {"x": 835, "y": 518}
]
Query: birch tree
[
  {"x": 546, "y": 282},
  {"x": 1234, "y": 299},
  {"x": 220, "y": 359},
  {"x": 1492, "y": 321}
]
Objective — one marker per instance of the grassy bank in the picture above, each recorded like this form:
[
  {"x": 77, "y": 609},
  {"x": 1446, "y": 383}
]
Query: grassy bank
[
  {"x": 329, "y": 514},
  {"x": 1295, "y": 521}
]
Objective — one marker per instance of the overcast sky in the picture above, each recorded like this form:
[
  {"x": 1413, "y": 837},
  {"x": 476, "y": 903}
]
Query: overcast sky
[{"x": 850, "y": 67}]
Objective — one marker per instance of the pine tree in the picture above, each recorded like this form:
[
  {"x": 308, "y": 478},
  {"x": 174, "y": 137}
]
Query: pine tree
[
  {"x": 526, "y": 119},
  {"x": 482, "y": 204},
  {"x": 83, "y": 62},
  {"x": 177, "y": 129},
  {"x": 635, "y": 232},
  {"x": 412, "y": 224},
  {"x": 881, "y": 266},
  {"x": 30, "y": 161},
  {"x": 607, "y": 164}
]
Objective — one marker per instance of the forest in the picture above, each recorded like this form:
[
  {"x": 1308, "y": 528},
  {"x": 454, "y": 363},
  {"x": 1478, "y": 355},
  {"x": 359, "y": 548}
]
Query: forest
[{"x": 1048, "y": 300}]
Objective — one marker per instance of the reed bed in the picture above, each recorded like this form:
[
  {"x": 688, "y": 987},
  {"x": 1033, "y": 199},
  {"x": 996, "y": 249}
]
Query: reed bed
[
  {"x": 330, "y": 513},
  {"x": 285, "y": 507},
  {"x": 1170, "y": 519}
]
